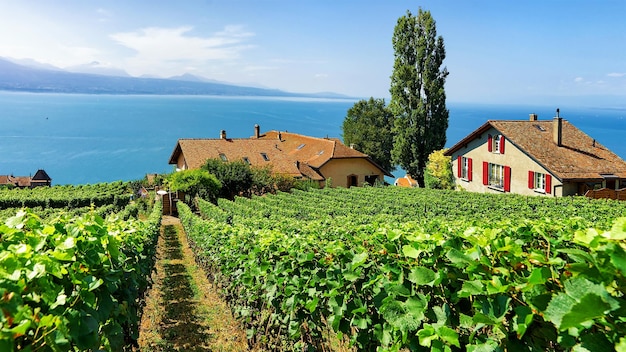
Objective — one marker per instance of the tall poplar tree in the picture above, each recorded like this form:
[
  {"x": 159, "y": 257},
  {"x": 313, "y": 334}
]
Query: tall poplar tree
[{"x": 418, "y": 98}]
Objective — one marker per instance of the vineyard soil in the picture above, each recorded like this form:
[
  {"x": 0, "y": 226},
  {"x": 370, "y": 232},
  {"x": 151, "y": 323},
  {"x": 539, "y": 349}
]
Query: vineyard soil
[{"x": 183, "y": 311}]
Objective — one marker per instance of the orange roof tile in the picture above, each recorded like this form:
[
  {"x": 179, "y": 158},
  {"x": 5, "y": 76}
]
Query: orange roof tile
[{"x": 406, "y": 181}]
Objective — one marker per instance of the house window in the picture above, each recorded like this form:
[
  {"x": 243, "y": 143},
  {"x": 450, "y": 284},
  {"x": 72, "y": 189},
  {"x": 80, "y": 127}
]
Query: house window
[
  {"x": 246, "y": 160},
  {"x": 495, "y": 144},
  {"x": 223, "y": 157},
  {"x": 371, "y": 179},
  {"x": 540, "y": 182},
  {"x": 301, "y": 146},
  {"x": 265, "y": 157},
  {"x": 464, "y": 170},
  {"x": 497, "y": 176}
]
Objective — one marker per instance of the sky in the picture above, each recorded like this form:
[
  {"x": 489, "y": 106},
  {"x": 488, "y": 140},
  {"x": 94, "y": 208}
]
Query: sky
[{"x": 496, "y": 51}]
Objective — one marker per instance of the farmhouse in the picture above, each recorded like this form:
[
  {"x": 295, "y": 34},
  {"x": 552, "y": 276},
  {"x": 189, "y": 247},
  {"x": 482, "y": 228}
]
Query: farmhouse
[
  {"x": 304, "y": 157},
  {"x": 532, "y": 157},
  {"x": 40, "y": 178}
]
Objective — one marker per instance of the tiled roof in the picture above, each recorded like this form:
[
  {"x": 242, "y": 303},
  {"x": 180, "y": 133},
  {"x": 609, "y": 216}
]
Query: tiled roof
[
  {"x": 578, "y": 157},
  {"x": 197, "y": 151},
  {"x": 406, "y": 181},
  {"x": 7, "y": 180},
  {"x": 22, "y": 181},
  {"x": 288, "y": 153},
  {"x": 41, "y": 175},
  {"x": 314, "y": 151}
]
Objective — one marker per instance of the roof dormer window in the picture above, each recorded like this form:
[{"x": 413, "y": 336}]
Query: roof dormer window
[
  {"x": 300, "y": 146},
  {"x": 495, "y": 144},
  {"x": 246, "y": 160},
  {"x": 223, "y": 157},
  {"x": 265, "y": 157}
]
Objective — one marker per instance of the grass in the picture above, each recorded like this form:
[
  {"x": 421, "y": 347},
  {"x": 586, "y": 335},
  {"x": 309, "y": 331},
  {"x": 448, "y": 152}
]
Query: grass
[{"x": 183, "y": 310}]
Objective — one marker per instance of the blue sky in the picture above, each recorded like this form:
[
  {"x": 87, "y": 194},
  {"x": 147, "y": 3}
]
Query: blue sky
[{"x": 497, "y": 51}]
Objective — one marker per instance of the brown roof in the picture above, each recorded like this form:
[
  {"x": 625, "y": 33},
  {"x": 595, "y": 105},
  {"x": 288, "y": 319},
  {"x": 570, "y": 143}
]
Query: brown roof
[
  {"x": 288, "y": 153},
  {"x": 7, "y": 180},
  {"x": 311, "y": 150},
  {"x": 41, "y": 175},
  {"x": 578, "y": 157}
]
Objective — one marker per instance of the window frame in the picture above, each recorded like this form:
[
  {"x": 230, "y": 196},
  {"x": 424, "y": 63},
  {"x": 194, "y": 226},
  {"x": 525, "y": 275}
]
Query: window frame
[
  {"x": 540, "y": 182},
  {"x": 493, "y": 178},
  {"x": 495, "y": 143},
  {"x": 464, "y": 169}
]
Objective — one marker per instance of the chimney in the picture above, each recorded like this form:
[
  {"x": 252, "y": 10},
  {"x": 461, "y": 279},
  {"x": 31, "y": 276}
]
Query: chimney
[
  {"x": 557, "y": 129},
  {"x": 257, "y": 130},
  {"x": 533, "y": 117},
  {"x": 223, "y": 134}
]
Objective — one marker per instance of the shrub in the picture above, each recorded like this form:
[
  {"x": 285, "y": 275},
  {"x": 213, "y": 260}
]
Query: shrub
[
  {"x": 198, "y": 183},
  {"x": 438, "y": 172},
  {"x": 235, "y": 176}
]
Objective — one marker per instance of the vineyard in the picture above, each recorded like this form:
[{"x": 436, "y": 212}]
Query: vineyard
[
  {"x": 73, "y": 267},
  {"x": 399, "y": 269},
  {"x": 47, "y": 201}
]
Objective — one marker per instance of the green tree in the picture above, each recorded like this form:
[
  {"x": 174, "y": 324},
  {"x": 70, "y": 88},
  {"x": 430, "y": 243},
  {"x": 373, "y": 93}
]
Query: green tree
[
  {"x": 195, "y": 183},
  {"x": 438, "y": 173},
  {"x": 418, "y": 98},
  {"x": 235, "y": 176},
  {"x": 368, "y": 125}
]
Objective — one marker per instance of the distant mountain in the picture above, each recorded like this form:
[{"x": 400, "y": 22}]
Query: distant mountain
[
  {"x": 34, "y": 64},
  {"x": 188, "y": 77},
  {"x": 96, "y": 68},
  {"x": 17, "y": 77}
]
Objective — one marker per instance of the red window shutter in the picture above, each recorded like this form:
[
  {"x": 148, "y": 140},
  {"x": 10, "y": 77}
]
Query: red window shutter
[
  {"x": 469, "y": 169},
  {"x": 489, "y": 143},
  {"x": 531, "y": 179},
  {"x": 501, "y": 144},
  {"x": 507, "y": 179},
  {"x": 548, "y": 183},
  {"x": 459, "y": 167},
  {"x": 485, "y": 173}
]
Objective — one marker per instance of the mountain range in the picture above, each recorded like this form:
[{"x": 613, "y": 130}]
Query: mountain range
[{"x": 31, "y": 76}]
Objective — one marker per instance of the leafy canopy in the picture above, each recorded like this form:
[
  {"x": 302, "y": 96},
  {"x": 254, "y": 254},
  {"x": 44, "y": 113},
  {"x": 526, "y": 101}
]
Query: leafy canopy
[
  {"x": 236, "y": 177},
  {"x": 196, "y": 183},
  {"x": 438, "y": 172},
  {"x": 368, "y": 125}
]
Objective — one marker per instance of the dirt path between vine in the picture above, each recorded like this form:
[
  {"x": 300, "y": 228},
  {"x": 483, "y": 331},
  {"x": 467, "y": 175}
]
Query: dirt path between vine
[{"x": 183, "y": 310}]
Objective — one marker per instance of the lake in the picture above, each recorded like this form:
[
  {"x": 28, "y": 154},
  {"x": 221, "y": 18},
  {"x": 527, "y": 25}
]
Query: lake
[{"x": 82, "y": 139}]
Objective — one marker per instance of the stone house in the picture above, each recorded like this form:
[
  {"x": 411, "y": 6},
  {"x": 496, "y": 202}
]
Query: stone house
[
  {"x": 296, "y": 155},
  {"x": 534, "y": 157}
]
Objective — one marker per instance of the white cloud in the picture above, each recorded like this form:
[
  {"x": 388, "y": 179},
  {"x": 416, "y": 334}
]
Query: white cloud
[
  {"x": 161, "y": 50},
  {"x": 321, "y": 75},
  {"x": 579, "y": 79},
  {"x": 616, "y": 74}
]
